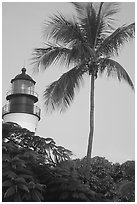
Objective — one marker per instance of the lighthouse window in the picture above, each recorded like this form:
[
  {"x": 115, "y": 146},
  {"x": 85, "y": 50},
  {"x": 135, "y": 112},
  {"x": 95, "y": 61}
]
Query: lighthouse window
[{"x": 23, "y": 86}]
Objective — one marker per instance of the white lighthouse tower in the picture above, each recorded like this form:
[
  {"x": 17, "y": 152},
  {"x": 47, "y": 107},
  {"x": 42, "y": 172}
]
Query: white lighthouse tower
[{"x": 21, "y": 108}]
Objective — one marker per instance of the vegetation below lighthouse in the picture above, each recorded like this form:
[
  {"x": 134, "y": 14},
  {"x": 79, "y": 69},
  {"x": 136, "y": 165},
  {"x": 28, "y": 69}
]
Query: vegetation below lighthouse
[{"x": 35, "y": 169}]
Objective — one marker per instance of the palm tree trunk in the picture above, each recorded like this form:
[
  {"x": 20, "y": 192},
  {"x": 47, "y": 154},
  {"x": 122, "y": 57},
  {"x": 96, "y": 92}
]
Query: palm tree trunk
[{"x": 90, "y": 140}]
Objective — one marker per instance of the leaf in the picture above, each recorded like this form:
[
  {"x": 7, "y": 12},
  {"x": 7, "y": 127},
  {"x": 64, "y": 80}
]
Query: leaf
[
  {"x": 50, "y": 55},
  {"x": 79, "y": 8},
  {"x": 39, "y": 195},
  {"x": 24, "y": 171},
  {"x": 25, "y": 176},
  {"x": 40, "y": 186},
  {"x": 35, "y": 196},
  {"x": 10, "y": 191},
  {"x": 18, "y": 161},
  {"x": 63, "y": 30},
  {"x": 31, "y": 184},
  {"x": 113, "y": 68},
  {"x": 23, "y": 187},
  {"x": 111, "y": 44},
  {"x": 49, "y": 139},
  {"x": 60, "y": 93},
  {"x": 6, "y": 183},
  {"x": 20, "y": 179},
  {"x": 10, "y": 174}
]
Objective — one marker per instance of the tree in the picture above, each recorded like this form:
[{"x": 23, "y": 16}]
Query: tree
[
  {"x": 29, "y": 174},
  {"x": 24, "y": 157},
  {"x": 86, "y": 44},
  {"x": 46, "y": 147},
  {"x": 113, "y": 181}
]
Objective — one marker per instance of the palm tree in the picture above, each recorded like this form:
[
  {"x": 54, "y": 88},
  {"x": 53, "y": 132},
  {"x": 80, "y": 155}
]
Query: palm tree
[{"x": 86, "y": 44}]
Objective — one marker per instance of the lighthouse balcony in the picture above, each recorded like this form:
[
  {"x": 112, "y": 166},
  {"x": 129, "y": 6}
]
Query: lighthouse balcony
[
  {"x": 35, "y": 110},
  {"x": 20, "y": 91}
]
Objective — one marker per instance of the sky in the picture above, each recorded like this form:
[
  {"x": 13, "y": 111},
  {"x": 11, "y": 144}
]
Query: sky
[{"x": 114, "y": 134}]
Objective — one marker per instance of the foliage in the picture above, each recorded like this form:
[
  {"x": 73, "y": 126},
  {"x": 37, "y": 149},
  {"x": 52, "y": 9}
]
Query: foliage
[
  {"x": 46, "y": 147},
  {"x": 23, "y": 156},
  {"x": 126, "y": 182},
  {"x": 100, "y": 180},
  {"x": 128, "y": 170},
  {"x": 30, "y": 176},
  {"x": 114, "y": 181},
  {"x": 19, "y": 181},
  {"x": 126, "y": 192},
  {"x": 100, "y": 177},
  {"x": 67, "y": 186}
]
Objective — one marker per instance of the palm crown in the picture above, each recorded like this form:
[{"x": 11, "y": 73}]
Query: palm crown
[{"x": 86, "y": 45}]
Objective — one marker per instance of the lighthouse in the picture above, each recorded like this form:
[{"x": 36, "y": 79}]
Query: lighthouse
[{"x": 21, "y": 99}]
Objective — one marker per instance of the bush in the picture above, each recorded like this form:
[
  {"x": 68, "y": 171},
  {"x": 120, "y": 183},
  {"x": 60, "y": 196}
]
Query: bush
[
  {"x": 33, "y": 170},
  {"x": 106, "y": 179},
  {"x": 24, "y": 157}
]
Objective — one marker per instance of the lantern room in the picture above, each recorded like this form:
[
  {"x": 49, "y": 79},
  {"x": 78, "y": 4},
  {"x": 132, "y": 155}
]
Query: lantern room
[
  {"x": 22, "y": 84},
  {"x": 21, "y": 99}
]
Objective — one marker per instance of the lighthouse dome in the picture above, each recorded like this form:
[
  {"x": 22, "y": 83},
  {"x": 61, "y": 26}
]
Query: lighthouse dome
[{"x": 23, "y": 76}]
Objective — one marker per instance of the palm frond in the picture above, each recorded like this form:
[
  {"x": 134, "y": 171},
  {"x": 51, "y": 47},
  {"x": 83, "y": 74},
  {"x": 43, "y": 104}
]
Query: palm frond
[
  {"x": 113, "y": 68},
  {"x": 89, "y": 24},
  {"x": 51, "y": 55},
  {"x": 44, "y": 57},
  {"x": 62, "y": 30},
  {"x": 60, "y": 93},
  {"x": 37, "y": 59},
  {"x": 111, "y": 44},
  {"x": 109, "y": 9},
  {"x": 98, "y": 22},
  {"x": 79, "y": 8},
  {"x": 105, "y": 21},
  {"x": 87, "y": 20}
]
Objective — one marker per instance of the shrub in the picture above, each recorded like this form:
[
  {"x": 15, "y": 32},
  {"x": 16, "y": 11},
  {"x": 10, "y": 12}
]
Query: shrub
[
  {"x": 35, "y": 169},
  {"x": 24, "y": 156}
]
